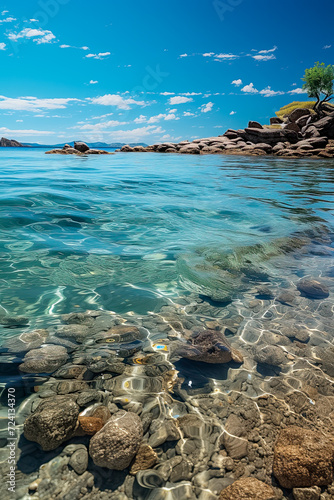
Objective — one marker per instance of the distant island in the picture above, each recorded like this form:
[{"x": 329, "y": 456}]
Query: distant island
[{"x": 11, "y": 143}]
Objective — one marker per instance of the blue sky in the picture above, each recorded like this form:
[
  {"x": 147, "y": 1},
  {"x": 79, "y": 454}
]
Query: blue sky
[{"x": 149, "y": 71}]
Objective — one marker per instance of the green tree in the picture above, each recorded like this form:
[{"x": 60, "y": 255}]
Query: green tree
[{"x": 319, "y": 84}]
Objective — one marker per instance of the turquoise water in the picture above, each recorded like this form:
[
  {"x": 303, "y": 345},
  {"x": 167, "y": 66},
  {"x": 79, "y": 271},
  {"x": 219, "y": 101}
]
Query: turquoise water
[
  {"x": 151, "y": 250},
  {"x": 108, "y": 232}
]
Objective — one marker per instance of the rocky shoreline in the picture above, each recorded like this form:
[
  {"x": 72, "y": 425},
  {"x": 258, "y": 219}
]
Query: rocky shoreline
[
  {"x": 79, "y": 149},
  {"x": 198, "y": 400},
  {"x": 301, "y": 135}
]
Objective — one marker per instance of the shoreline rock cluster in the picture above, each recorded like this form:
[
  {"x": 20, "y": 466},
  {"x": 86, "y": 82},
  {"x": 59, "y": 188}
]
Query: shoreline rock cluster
[
  {"x": 80, "y": 149},
  {"x": 301, "y": 135}
]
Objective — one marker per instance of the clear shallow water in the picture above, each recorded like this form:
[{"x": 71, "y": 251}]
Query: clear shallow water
[
  {"x": 167, "y": 246},
  {"x": 106, "y": 232}
]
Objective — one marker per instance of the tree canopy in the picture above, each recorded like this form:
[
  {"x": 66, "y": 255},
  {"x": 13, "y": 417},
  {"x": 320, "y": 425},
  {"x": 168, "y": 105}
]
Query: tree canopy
[{"x": 319, "y": 83}]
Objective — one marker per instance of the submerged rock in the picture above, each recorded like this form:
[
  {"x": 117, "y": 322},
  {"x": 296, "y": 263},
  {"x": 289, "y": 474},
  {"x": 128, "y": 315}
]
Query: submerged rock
[
  {"x": 89, "y": 426},
  {"x": 14, "y": 321},
  {"x": 303, "y": 458},
  {"x": 115, "y": 445},
  {"x": 46, "y": 359},
  {"x": 248, "y": 488},
  {"x": 312, "y": 493},
  {"x": 53, "y": 422},
  {"x": 146, "y": 458},
  {"x": 26, "y": 341},
  {"x": 235, "y": 437},
  {"x": 313, "y": 288},
  {"x": 209, "y": 346},
  {"x": 270, "y": 355},
  {"x": 79, "y": 460}
]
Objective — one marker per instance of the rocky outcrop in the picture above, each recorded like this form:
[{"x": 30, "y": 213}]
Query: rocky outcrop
[
  {"x": 301, "y": 134},
  {"x": 10, "y": 143},
  {"x": 303, "y": 458},
  {"x": 52, "y": 423},
  {"x": 80, "y": 148},
  {"x": 116, "y": 444}
]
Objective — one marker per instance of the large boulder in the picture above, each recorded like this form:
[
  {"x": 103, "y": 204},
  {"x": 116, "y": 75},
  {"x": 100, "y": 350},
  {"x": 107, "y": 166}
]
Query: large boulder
[
  {"x": 126, "y": 149},
  {"x": 325, "y": 126},
  {"x": 190, "y": 149},
  {"x": 303, "y": 458},
  {"x": 298, "y": 113},
  {"x": 271, "y": 136},
  {"x": 254, "y": 125},
  {"x": 275, "y": 120},
  {"x": 81, "y": 146},
  {"x": 53, "y": 422},
  {"x": 292, "y": 126},
  {"x": 46, "y": 359},
  {"x": 248, "y": 488},
  {"x": 116, "y": 444}
]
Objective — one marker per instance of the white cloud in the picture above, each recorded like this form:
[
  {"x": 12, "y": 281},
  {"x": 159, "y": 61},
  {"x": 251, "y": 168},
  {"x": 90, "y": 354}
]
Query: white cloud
[
  {"x": 233, "y": 113},
  {"x": 140, "y": 119},
  {"x": 93, "y": 82},
  {"x": 268, "y": 92},
  {"x": 33, "y": 20},
  {"x": 7, "y": 131},
  {"x": 4, "y": 12},
  {"x": 171, "y": 116},
  {"x": 167, "y": 93},
  {"x": 179, "y": 100},
  {"x": 298, "y": 91},
  {"x": 162, "y": 116},
  {"x": 94, "y": 127},
  {"x": 249, "y": 89},
  {"x": 184, "y": 55},
  {"x": 187, "y": 113},
  {"x": 190, "y": 93},
  {"x": 37, "y": 35},
  {"x": 260, "y": 57},
  {"x": 101, "y": 116},
  {"x": 32, "y": 103},
  {"x": 8, "y": 19},
  {"x": 226, "y": 57},
  {"x": 326, "y": 47},
  {"x": 116, "y": 100},
  {"x": 100, "y": 55},
  {"x": 64, "y": 46},
  {"x": 268, "y": 51},
  {"x": 208, "y": 54},
  {"x": 173, "y": 110},
  {"x": 2, "y": 46},
  {"x": 237, "y": 83},
  {"x": 207, "y": 107},
  {"x": 135, "y": 135},
  {"x": 19, "y": 120}
]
